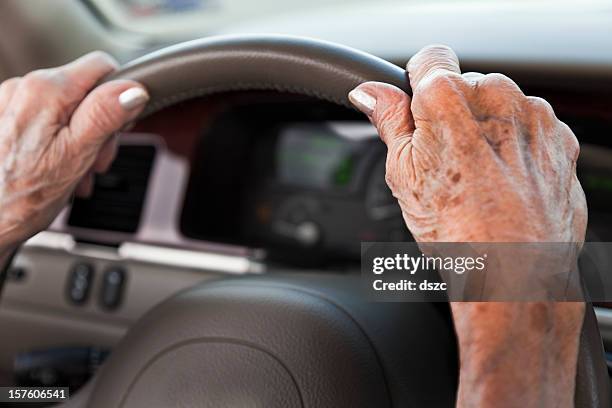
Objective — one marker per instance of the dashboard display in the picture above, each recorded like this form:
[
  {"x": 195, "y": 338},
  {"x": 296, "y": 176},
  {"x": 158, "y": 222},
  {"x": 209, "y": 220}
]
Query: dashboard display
[
  {"x": 318, "y": 156},
  {"x": 312, "y": 160},
  {"x": 118, "y": 196},
  {"x": 307, "y": 182},
  {"x": 321, "y": 186},
  {"x": 292, "y": 182}
]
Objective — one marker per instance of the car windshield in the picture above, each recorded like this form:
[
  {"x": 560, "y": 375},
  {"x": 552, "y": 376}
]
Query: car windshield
[
  {"x": 182, "y": 16},
  {"x": 161, "y": 17}
]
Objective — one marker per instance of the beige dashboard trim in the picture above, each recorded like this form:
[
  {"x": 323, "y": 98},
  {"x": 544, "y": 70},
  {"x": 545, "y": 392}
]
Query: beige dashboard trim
[
  {"x": 160, "y": 255},
  {"x": 185, "y": 258}
]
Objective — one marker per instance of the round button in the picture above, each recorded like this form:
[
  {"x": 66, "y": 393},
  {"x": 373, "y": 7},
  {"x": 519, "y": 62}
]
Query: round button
[{"x": 307, "y": 233}]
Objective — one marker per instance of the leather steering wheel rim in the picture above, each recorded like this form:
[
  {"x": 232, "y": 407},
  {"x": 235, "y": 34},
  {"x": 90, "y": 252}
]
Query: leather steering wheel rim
[
  {"x": 305, "y": 66},
  {"x": 212, "y": 65}
]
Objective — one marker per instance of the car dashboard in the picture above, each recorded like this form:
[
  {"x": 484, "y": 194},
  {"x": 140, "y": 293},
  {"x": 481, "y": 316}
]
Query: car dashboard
[
  {"x": 259, "y": 182},
  {"x": 284, "y": 179},
  {"x": 236, "y": 183},
  {"x": 290, "y": 181},
  {"x": 301, "y": 181}
]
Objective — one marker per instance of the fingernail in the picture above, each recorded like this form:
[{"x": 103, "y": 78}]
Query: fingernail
[
  {"x": 363, "y": 101},
  {"x": 133, "y": 98}
]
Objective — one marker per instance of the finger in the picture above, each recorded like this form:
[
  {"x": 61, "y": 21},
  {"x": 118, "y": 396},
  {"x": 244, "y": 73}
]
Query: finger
[
  {"x": 106, "y": 156},
  {"x": 84, "y": 73},
  {"x": 431, "y": 61},
  {"x": 387, "y": 106},
  {"x": 85, "y": 187},
  {"x": 104, "y": 111}
]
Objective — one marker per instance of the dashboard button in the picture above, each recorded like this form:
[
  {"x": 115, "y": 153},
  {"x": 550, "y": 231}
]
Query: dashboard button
[
  {"x": 16, "y": 274},
  {"x": 307, "y": 233},
  {"x": 112, "y": 287},
  {"x": 79, "y": 283}
]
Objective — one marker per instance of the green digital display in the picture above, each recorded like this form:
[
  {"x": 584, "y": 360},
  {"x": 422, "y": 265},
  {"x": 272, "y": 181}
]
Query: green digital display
[{"x": 312, "y": 156}]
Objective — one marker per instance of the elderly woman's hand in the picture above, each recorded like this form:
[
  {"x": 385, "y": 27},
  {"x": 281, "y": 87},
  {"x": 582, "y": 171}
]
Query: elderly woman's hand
[
  {"x": 56, "y": 130},
  {"x": 472, "y": 159}
]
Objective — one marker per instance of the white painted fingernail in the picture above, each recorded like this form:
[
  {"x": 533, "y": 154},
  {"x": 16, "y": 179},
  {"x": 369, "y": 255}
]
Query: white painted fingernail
[
  {"x": 362, "y": 101},
  {"x": 133, "y": 98}
]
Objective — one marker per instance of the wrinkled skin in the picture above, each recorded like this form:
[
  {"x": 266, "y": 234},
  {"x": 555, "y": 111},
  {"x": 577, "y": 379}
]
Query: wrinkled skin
[
  {"x": 472, "y": 159},
  {"x": 478, "y": 161},
  {"x": 56, "y": 131}
]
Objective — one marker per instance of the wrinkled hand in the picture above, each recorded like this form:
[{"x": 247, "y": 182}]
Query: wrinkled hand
[
  {"x": 472, "y": 159},
  {"x": 56, "y": 130}
]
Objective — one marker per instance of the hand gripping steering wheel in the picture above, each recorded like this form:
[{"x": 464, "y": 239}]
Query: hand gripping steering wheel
[{"x": 288, "y": 340}]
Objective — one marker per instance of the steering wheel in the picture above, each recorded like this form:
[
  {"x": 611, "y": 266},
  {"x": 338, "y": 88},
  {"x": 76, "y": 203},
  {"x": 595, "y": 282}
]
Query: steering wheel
[{"x": 291, "y": 340}]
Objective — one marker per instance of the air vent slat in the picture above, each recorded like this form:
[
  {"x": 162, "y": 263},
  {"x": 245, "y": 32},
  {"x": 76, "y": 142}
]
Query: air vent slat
[{"x": 117, "y": 201}]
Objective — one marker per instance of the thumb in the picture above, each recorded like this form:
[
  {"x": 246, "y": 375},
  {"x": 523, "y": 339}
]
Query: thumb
[
  {"x": 387, "y": 107},
  {"x": 105, "y": 110}
]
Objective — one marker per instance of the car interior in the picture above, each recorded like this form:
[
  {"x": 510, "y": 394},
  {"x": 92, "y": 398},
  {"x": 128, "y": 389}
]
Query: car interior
[{"x": 217, "y": 262}]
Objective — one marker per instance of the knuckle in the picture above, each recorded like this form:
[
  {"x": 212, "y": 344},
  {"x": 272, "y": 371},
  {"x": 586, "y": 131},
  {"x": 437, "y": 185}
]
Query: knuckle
[
  {"x": 9, "y": 83},
  {"x": 40, "y": 82},
  {"x": 501, "y": 83},
  {"x": 441, "y": 84},
  {"x": 540, "y": 106},
  {"x": 440, "y": 90},
  {"x": 496, "y": 78},
  {"x": 101, "y": 57},
  {"x": 570, "y": 142},
  {"x": 574, "y": 148},
  {"x": 440, "y": 80}
]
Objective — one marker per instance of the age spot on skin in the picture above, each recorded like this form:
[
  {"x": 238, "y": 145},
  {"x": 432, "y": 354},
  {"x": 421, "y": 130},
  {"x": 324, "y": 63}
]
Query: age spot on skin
[
  {"x": 431, "y": 235},
  {"x": 539, "y": 317},
  {"x": 455, "y": 201},
  {"x": 456, "y": 177},
  {"x": 482, "y": 308},
  {"x": 35, "y": 197}
]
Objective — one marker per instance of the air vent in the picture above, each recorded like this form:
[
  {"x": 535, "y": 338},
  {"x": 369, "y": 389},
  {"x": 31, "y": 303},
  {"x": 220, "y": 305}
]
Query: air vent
[{"x": 118, "y": 197}]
